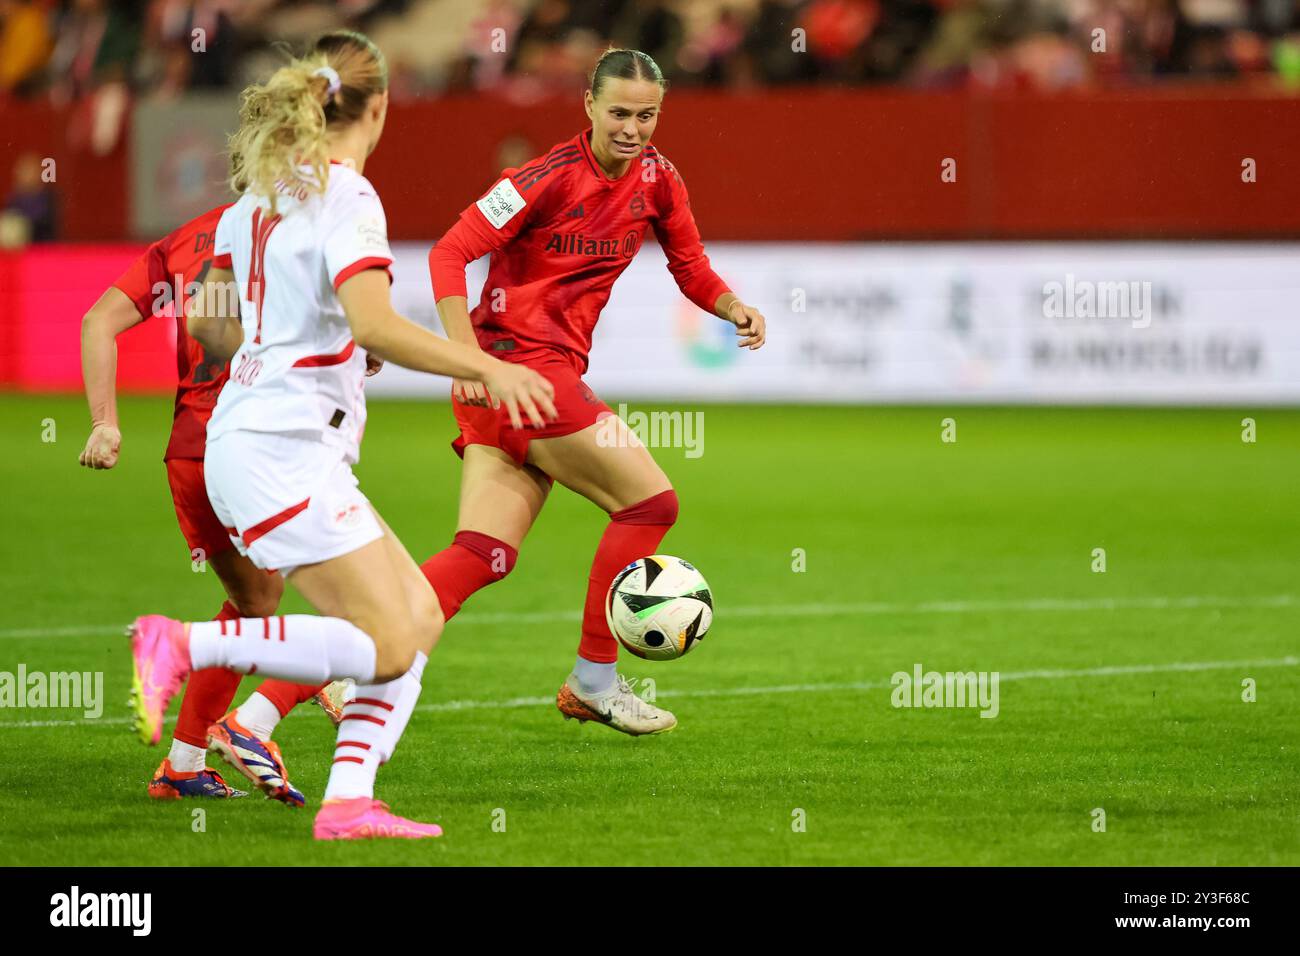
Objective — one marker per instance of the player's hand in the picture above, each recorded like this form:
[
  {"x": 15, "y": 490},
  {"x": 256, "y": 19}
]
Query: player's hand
[
  {"x": 102, "y": 447},
  {"x": 468, "y": 392},
  {"x": 373, "y": 364},
  {"x": 751, "y": 327},
  {"x": 518, "y": 388}
]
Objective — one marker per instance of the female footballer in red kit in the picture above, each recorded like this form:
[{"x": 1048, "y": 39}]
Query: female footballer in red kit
[
  {"x": 561, "y": 229},
  {"x": 182, "y": 259}
]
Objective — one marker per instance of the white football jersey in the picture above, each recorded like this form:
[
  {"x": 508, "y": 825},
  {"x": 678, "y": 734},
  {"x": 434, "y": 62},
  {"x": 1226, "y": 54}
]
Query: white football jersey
[{"x": 299, "y": 371}]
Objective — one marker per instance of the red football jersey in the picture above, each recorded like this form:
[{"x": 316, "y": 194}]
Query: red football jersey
[
  {"x": 560, "y": 232},
  {"x": 153, "y": 282}
]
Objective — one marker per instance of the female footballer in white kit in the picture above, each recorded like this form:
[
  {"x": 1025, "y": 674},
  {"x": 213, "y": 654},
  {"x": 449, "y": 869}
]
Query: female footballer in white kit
[{"x": 307, "y": 246}]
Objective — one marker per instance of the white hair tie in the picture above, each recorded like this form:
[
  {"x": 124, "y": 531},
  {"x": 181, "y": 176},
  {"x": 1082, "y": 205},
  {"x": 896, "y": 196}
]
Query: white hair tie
[{"x": 331, "y": 74}]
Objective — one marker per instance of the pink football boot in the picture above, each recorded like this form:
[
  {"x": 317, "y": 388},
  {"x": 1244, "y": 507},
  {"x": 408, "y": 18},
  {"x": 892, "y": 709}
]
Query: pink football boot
[
  {"x": 160, "y": 655},
  {"x": 364, "y": 818}
]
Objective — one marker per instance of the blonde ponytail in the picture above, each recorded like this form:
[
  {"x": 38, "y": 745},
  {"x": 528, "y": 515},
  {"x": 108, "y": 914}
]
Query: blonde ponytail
[
  {"x": 282, "y": 122},
  {"x": 281, "y": 129}
]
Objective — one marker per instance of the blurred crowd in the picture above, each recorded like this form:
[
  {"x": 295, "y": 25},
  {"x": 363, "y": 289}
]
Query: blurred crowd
[{"x": 66, "y": 48}]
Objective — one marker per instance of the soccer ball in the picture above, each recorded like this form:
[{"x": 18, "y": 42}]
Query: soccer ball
[{"x": 659, "y": 607}]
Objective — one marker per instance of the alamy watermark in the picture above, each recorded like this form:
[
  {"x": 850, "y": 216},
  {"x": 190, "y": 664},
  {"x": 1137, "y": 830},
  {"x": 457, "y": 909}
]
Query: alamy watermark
[
  {"x": 922, "y": 688},
  {"x": 219, "y": 299},
  {"x": 75, "y": 908},
  {"x": 658, "y": 429},
  {"x": 76, "y": 690},
  {"x": 1086, "y": 299}
]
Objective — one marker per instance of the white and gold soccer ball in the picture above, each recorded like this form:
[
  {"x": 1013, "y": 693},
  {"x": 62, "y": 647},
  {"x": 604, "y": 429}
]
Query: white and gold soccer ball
[{"x": 659, "y": 607}]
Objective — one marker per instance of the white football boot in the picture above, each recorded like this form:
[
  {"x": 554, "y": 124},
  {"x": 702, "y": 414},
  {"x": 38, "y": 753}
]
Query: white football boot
[{"x": 617, "y": 707}]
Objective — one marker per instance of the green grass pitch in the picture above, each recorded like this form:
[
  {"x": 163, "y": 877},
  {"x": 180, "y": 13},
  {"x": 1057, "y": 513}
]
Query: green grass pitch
[{"x": 973, "y": 555}]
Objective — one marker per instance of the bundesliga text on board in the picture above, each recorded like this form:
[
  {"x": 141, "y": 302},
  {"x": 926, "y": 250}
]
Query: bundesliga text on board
[{"x": 1094, "y": 323}]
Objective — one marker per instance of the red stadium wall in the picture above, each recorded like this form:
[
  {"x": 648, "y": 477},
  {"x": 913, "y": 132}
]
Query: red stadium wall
[
  {"x": 832, "y": 165},
  {"x": 44, "y": 292},
  {"x": 810, "y": 165},
  {"x": 843, "y": 165}
]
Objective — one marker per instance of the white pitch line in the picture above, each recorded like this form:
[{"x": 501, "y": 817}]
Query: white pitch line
[
  {"x": 517, "y": 702},
  {"x": 85, "y": 630},
  {"x": 1192, "y": 602}
]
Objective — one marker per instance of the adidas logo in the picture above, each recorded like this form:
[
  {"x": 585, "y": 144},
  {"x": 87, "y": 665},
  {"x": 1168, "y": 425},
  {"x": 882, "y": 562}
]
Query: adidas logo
[{"x": 575, "y": 212}]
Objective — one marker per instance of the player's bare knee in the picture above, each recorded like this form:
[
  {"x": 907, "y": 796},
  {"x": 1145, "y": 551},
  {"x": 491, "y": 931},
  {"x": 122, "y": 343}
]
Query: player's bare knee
[
  {"x": 429, "y": 619},
  {"x": 428, "y": 611},
  {"x": 392, "y": 661},
  {"x": 254, "y": 592},
  {"x": 257, "y": 596},
  {"x": 397, "y": 638}
]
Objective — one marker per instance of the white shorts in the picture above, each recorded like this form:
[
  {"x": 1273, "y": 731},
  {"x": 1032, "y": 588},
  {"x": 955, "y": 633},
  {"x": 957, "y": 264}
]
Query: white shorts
[{"x": 286, "y": 500}]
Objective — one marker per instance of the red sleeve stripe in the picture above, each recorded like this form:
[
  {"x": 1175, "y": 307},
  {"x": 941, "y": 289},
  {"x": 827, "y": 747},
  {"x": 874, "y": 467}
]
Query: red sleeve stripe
[
  {"x": 273, "y": 522},
  {"x": 353, "y": 743},
  {"x": 372, "y": 702},
  {"x": 348, "y": 760},
  {"x": 222, "y": 262},
  {"x": 361, "y": 265},
  {"x": 320, "y": 361}
]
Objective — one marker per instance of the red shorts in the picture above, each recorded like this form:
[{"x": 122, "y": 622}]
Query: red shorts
[
  {"x": 199, "y": 523},
  {"x": 578, "y": 405}
]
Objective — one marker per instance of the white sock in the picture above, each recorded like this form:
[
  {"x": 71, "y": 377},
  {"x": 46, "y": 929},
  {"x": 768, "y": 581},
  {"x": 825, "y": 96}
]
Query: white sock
[
  {"x": 594, "y": 678},
  {"x": 372, "y": 724},
  {"x": 298, "y": 647},
  {"x": 258, "y": 715},
  {"x": 187, "y": 758}
]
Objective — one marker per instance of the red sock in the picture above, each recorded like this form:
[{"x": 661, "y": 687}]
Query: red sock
[
  {"x": 285, "y": 695},
  {"x": 633, "y": 533},
  {"x": 473, "y": 561},
  {"x": 207, "y": 695}
]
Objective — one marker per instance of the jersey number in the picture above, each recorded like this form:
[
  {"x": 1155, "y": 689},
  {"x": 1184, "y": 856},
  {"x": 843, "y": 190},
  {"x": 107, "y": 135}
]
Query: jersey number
[{"x": 262, "y": 229}]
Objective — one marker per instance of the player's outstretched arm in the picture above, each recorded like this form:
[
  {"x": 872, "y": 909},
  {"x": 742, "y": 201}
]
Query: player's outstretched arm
[
  {"x": 680, "y": 238},
  {"x": 377, "y": 328},
  {"x": 112, "y": 314},
  {"x": 212, "y": 316}
]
